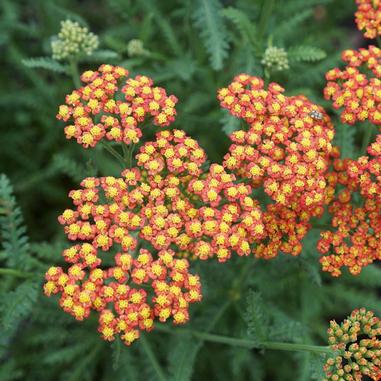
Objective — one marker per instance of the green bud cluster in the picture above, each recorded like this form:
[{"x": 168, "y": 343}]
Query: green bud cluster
[
  {"x": 356, "y": 348},
  {"x": 135, "y": 48},
  {"x": 275, "y": 59},
  {"x": 73, "y": 41}
]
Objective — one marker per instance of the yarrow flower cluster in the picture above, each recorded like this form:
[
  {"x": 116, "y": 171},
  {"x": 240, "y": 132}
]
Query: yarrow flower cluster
[
  {"x": 356, "y": 345},
  {"x": 113, "y": 107},
  {"x": 354, "y": 240},
  {"x": 357, "y": 88},
  {"x": 275, "y": 59},
  {"x": 110, "y": 214},
  {"x": 73, "y": 41},
  {"x": 368, "y": 17},
  {"x": 285, "y": 150}
]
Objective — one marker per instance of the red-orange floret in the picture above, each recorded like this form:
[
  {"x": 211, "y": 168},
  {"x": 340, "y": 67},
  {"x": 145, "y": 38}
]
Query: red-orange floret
[
  {"x": 368, "y": 17},
  {"x": 357, "y": 88},
  {"x": 112, "y": 107}
]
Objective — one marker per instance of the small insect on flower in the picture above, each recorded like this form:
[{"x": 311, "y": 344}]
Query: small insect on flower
[{"x": 316, "y": 115}]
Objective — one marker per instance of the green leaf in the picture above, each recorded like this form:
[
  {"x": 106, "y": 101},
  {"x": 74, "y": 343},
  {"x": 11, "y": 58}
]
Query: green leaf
[
  {"x": 116, "y": 350},
  {"x": 13, "y": 232},
  {"x": 210, "y": 23},
  {"x": 306, "y": 53},
  {"x": 290, "y": 25},
  {"x": 256, "y": 317},
  {"x": 184, "y": 352},
  {"x": 241, "y": 21},
  {"x": 46, "y": 63},
  {"x": 229, "y": 123},
  {"x": 163, "y": 24},
  {"x": 102, "y": 56},
  {"x": 345, "y": 139},
  {"x": 17, "y": 304}
]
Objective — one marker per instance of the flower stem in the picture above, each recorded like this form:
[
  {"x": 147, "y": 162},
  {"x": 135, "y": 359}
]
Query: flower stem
[
  {"x": 367, "y": 138},
  {"x": 296, "y": 347},
  {"x": 152, "y": 358},
  {"x": 267, "y": 9},
  {"x": 75, "y": 73},
  {"x": 246, "y": 343},
  {"x": 113, "y": 152},
  {"x": 15, "y": 273}
]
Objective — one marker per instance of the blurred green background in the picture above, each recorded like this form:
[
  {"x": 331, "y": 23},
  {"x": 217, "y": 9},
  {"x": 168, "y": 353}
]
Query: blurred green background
[{"x": 192, "y": 48}]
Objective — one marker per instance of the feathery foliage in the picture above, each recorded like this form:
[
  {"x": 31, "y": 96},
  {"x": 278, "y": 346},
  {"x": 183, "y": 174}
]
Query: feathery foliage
[{"x": 192, "y": 48}]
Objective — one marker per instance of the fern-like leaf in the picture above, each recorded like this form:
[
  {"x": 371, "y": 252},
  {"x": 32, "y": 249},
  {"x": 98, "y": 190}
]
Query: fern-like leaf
[
  {"x": 256, "y": 317},
  {"x": 345, "y": 139},
  {"x": 163, "y": 24},
  {"x": 290, "y": 25},
  {"x": 211, "y": 26},
  {"x": 306, "y": 54},
  {"x": 17, "y": 304},
  {"x": 241, "y": 21},
  {"x": 46, "y": 63},
  {"x": 229, "y": 123},
  {"x": 13, "y": 238}
]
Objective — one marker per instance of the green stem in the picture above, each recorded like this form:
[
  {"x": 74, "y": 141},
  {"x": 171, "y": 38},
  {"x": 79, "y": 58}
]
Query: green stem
[
  {"x": 378, "y": 39},
  {"x": 15, "y": 273},
  {"x": 246, "y": 343},
  {"x": 130, "y": 155},
  {"x": 322, "y": 226},
  {"x": 296, "y": 347},
  {"x": 151, "y": 356},
  {"x": 125, "y": 152},
  {"x": 113, "y": 152},
  {"x": 265, "y": 16},
  {"x": 366, "y": 138},
  {"x": 75, "y": 73}
]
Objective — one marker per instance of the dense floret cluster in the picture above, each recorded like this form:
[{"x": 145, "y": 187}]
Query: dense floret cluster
[
  {"x": 113, "y": 107},
  {"x": 354, "y": 239},
  {"x": 357, "y": 88},
  {"x": 368, "y": 17},
  {"x": 356, "y": 347},
  {"x": 73, "y": 41}
]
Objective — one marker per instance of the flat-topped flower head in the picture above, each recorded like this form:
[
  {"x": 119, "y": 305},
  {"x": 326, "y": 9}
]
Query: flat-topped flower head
[
  {"x": 356, "y": 347},
  {"x": 357, "y": 88},
  {"x": 130, "y": 295},
  {"x": 112, "y": 106},
  {"x": 286, "y": 146},
  {"x": 368, "y": 17},
  {"x": 354, "y": 239}
]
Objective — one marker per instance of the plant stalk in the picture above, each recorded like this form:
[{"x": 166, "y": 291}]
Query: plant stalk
[
  {"x": 15, "y": 273},
  {"x": 265, "y": 16},
  {"x": 367, "y": 138},
  {"x": 75, "y": 73},
  {"x": 114, "y": 153},
  {"x": 247, "y": 343}
]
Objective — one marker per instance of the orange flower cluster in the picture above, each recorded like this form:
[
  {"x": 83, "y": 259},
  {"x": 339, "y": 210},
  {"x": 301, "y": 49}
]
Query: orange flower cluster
[
  {"x": 158, "y": 202},
  {"x": 357, "y": 348},
  {"x": 110, "y": 106},
  {"x": 366, "y": 171},
  {"x": 129, "y": 295},
  {"x": 106, "y": 221},
  {"x": 356, "y": 231},
  {"x": 286, "y": 148},
  {"x": 368, "y": 17},
  {"x": 354, "y": 90}
]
